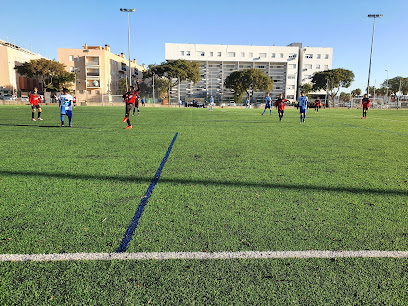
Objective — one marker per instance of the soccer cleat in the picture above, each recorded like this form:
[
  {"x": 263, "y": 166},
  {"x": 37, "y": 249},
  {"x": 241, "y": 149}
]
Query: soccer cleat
[
  {"x": 262, "y": 114},
  {"x": 39, "y": 118},
  {"x": 33, "y": 119},
  {"x": 124, "y": 120},
  {"x": 133, "y": 115},
  {"x": 128, "y": 127},
  {"x": 70, "y": 125},
  {"x": 138, "y": 114},
  {"x": 62, "y": 125}
]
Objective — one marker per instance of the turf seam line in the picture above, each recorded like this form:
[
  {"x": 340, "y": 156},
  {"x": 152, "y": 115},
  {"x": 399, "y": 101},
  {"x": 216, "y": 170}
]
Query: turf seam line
[
  {"x": 132, "y": 227},
  {"x": 203, "y": 255}
]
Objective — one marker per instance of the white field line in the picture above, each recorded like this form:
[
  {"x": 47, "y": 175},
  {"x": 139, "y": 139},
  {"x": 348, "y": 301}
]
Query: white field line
[{"x": 203, "y": 255}]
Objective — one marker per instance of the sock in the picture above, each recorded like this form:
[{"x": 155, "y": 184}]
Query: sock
[
  {"x": 32, "y": 115},
  {"x": 128, "y": 121},
  {"x": 39, "y": 114}
]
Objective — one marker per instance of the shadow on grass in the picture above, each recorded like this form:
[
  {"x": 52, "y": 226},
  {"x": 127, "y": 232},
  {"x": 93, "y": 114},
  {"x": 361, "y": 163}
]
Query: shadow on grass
[{"x": 147, "y": 180}]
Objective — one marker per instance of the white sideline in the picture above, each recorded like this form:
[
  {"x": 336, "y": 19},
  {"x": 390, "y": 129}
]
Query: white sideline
[{"x": 203, "y": 255}]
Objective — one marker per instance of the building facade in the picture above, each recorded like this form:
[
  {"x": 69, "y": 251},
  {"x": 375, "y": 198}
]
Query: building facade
[
  {"x": 98, "y": 71},
  {"x": 288, "y": 66},
  {"x": 11, "y": 56}
]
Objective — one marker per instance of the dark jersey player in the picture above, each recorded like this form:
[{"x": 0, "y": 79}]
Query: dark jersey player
[
  {"x": 365, "y": 103},
  {"x": 280, "y": 105},
  {"x": 34, "y": 100},
  {"x": 317, "y": 104},
  {"x": 130, "y": 100}
]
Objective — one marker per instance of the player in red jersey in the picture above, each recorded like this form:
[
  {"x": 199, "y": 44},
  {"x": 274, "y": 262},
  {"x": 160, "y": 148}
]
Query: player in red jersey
[
  {"x": 34, "y": 100},
  {"x": 280, "y": 105},
  {"x": 317, "y": 104},
  {"x": 365, "y": 103},
  {"x": 130, "y": 100}
]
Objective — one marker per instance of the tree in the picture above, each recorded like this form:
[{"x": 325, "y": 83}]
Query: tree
[
  {"x": 51, "y": 73},
  {"x": 161, "y": 87},
  {"x": 344, "y": 97},
  {"x": 332, "y": 80},
  {"x": 355, "y": 92},
  {"x": 175, "y": 72},
  {"x": 394, "y": 85},
  {"x": 123, "y": 85},
  {"x": 241, "y": 82},
  {"x": 307, "y": 87}
]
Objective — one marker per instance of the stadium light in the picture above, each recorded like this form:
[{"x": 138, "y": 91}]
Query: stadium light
[
  {"x": 371, "y": 54},
  {"x": 129, "y": 11}
]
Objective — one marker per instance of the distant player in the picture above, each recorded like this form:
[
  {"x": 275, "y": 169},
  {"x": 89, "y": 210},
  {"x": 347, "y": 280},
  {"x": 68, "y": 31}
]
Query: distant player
[
  {"x": 211, "y": 103},
  {"x": 34, "y": 100},
  {"x": 143, "y": 102},
  {"x": 365, "y": 103},
  {"x": 65, "y": 102},
  {"x": 317, "y": 104},
  {"x": 303, "y": 100},
  {"x": 136, "y": 106},
  {"x": 130, "y": 100},
  {"x": 247, "y": 103},
  {"x": 280, "y": 105},
  {"x": 268, "y": 102}
]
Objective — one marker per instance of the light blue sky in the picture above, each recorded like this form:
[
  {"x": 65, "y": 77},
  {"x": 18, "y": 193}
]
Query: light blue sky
[{"x": 45, "y": 26}]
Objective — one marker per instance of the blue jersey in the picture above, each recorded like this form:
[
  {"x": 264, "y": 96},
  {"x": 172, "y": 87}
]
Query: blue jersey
[
  {"x": 303, "y": 100},
  {"x": 211, "y": 101},
  {"x": 65, "y": 102},
  {"x": 268, "y": 101}
]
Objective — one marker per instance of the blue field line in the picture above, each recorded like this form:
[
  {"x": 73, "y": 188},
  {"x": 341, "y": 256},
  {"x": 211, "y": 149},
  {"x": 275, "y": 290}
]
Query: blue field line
[{"x": 132, "y": 227}]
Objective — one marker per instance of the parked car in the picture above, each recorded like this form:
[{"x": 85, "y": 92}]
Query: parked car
[
  {"x": 9, "y": 97},
  {"x": 24, "y": 98}
]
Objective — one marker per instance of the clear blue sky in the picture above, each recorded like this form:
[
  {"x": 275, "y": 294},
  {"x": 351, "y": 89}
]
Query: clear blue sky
[{"x": 342, "y": 25}]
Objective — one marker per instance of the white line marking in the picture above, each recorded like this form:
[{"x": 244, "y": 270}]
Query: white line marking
[{"x": 203, "y": 255}]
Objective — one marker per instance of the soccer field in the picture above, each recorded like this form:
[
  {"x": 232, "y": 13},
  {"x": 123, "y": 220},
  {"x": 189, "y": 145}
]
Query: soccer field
[{"x": 233, "y": 181}]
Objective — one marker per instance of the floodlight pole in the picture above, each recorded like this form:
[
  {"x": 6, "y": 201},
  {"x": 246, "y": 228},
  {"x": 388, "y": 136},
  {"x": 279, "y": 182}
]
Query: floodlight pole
[
  {"x": 130, "y": 70},
  {"x": 371, "y": 54}
]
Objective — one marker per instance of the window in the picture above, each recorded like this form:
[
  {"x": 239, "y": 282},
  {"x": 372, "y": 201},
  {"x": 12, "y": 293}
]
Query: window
[
  {"x": 281, "y": 55},
  {"x": 71, "y": 58},
  {"x": 211, "y": 53},
  {"x": 188, "y": 53},
  {"x": 292, "y": 56},
  {"x": 319, "y": 56},
  {"x": 326, "y": 56},
  {"x": 326, "y": 67},
  {"x": 309, "y": 56},
  {"x": 260, "y": 67},
  {"x": 308, "y": 66},
  {"x": 291, "y": 77},
  {"x": 262, "y": 55},
  {"x": 317, "y": 66},
  {"x": 218, "y": 53},
  {"x": 71, "y": 69},
  {"x": 242, "y": 54},
  {"x": 182, "y": 53},
  {"x": 273, "y": 55},
  {"x": 251, "y": 54},
  {"x": 201, "y": 53},
  {"x": 231, "y": 54},
  {"x": 293, "y": 66}
]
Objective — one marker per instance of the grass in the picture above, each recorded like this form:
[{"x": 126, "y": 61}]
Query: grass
[{"x": 234, "y": 181}]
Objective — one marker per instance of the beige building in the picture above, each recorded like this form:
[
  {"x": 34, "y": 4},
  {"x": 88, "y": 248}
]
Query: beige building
[
  {"x": 12, "y": 55},
  {"x": 98, "y": 71}
]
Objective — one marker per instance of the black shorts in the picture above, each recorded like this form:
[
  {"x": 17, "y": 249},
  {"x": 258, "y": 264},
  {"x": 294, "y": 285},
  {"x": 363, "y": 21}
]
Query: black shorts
[
  {"x": 281, "y": 111},
  {"x": 129, "y": 107},
  {"x": 35, "y": 106}
]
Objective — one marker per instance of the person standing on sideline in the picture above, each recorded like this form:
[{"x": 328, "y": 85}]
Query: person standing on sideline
[
  {"x": 247, "y": 103},
  {"x": 130, "y": 100},
  {"x": 365, "y": 103},
  {"x": 34, "y": 100},
  {"x": 211, "y": 103},
  {"x": 65, "y": 102},
  {"x": 317, "y": 104},
  {"x": 143, "y": 102},
  {"x": 280, "y": 105},
  {"x": 303, "y": 100},
  {"x": 268, "y": 101}
]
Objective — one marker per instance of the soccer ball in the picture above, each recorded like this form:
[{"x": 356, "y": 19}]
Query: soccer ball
[{"x": 95, "y": 83}]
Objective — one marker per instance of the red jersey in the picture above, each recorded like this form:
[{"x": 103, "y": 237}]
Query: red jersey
[
  {"x": 317, "y": 103},
  {"x": 130, "y": 97},
  {"x": 34, "y": 99},
  {"x": 280, "y": 104},
  {"x": 365, "y": 102}
]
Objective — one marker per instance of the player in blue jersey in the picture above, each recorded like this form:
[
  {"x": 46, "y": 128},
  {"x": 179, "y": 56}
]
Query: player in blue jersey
[
  {"x": 303, "y": 100},
  {"x": 268, "y": 102},
  {"x": 247, "y": 103},
  {"x": 65, "y": 102},
  {"x": 211, "y": 104}
]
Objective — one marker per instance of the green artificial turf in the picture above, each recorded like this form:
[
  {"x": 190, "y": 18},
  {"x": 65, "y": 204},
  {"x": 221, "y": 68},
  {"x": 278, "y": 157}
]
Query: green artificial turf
[{"x": 234, "y": 181}]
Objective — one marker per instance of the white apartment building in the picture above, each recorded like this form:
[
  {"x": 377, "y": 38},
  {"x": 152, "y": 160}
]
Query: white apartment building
[{"x": 288, "y": 66}]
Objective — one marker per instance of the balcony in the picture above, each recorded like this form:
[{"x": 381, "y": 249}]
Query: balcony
[
  {"x": 92, "y": 60},
  {"x": 93, "y": 83}
]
